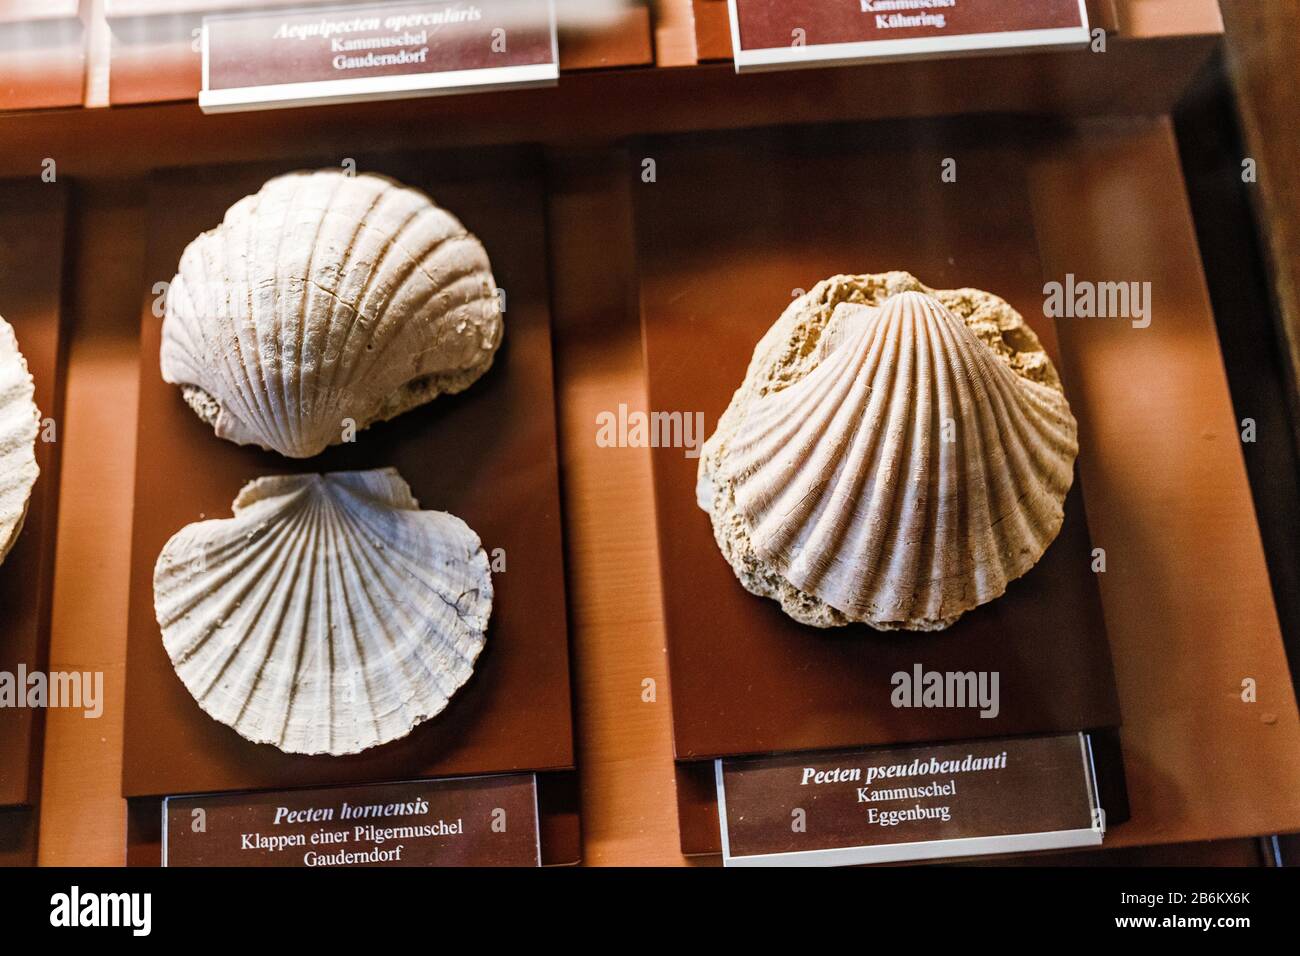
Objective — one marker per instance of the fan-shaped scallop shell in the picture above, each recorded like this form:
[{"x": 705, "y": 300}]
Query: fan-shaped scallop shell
[
  {"x": 329, "y": 615},
  {"x": 325, "y": 303},
  {"x": 19, "y": 423},
  {"x": 889, "y": 460}
]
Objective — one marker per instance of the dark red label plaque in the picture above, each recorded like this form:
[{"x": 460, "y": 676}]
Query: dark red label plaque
[
  {"x": 474, "y": 821},
  {"x": 909, "y": 803},
  {"x": 333, "y": 53},
  {"x": 774, "y": 34}
]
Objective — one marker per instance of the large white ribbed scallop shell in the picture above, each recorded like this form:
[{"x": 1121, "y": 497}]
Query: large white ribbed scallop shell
[
  {"x": 329, "y": 615},
  {"x": 325, "y": 303},
  {"x": 19, "y": 423},
  {"x": 909, "y": 476}
]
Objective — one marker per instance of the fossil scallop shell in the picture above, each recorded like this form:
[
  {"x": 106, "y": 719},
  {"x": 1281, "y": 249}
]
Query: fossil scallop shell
[
  {"x": 890, "y": 459},
  {"x": 329, "y": 615},
  {"x": 19, "y": 423},
  {"x": 325, "y": 303}
]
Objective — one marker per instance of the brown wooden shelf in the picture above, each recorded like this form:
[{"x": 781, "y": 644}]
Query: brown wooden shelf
[{"x": 1134, "y": 78}]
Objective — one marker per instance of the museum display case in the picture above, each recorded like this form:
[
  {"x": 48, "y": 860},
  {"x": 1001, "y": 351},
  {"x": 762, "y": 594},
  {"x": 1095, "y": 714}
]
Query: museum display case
[{"x": 736, "y": 405}]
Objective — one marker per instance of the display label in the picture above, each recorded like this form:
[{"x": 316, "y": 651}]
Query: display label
[
  {"x": 776, "y": 34},
  {"x": 333, "y": 54},
  {"x": 471, "y": 821},
  {"x": 909, "y": 803}
]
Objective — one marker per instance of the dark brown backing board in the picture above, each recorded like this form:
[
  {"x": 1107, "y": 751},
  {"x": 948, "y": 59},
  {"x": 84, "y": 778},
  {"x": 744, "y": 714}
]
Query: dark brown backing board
[
  {"x": 487, "y": 455},
  {"x": 717, "y": 269},
  {"x": 33, "y": 216}
]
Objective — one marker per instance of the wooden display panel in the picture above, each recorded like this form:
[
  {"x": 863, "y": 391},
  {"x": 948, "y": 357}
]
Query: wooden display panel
[
  {"x": 601, "y": 35},
  {"x": 716, "y": 270},
  {"x": 1188, "y": 603},
  {"x": 32, "y": 215},
  {"x": 155, "y": 53},
  {"x": 487, "y": 455},
  {"x": 42, "y": 54},
  {"x": 712, "y": 30}
]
